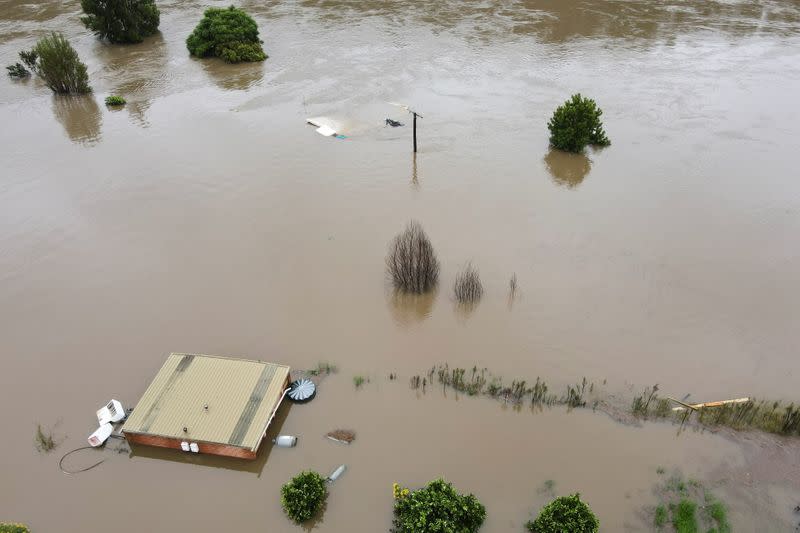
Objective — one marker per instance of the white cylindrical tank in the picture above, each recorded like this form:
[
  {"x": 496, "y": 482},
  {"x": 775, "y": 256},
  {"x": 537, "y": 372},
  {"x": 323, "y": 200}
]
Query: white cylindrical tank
[{"x": 285, "y": 441}]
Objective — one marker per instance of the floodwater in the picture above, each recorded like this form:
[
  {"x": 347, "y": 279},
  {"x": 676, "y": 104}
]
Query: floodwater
[{"x": 206, "y": 216}]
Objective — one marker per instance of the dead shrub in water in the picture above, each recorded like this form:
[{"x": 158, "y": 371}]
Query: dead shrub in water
[
  {"x": 412, "y": 264},
  {"x": 468, "y": 287}
]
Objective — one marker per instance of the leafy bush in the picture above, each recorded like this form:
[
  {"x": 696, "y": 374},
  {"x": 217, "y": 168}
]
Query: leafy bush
[
  {"x": 567, "y": 513},
  {"x": 437, "y": 507},
  {"x": 13, "y": 528},
  {"x": 575, "y": 124},
  {"x": 303, "y": 496},
  {"x": 411, "y": 263},
  {"x": 17, "y": 71},
  {"x": 58, "y": 64},
  {"x": 230, "y": 34},
  {"x": 121, "y": 21},
  {"x": 115, "y": 100}
]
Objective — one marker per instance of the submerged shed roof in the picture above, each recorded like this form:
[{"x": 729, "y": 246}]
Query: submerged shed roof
[{"x": 240, "y": 395}]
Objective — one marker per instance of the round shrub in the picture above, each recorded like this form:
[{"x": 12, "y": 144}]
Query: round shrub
[
  {"x": 575, "y": 124},
  {"x": 303, "y": 496},
  {"x": 437, "y": 507},
  {"x": 567, "y": 513},
  {"x": 121, "y": 21},
  {"x": 13, "y": 528},
  {"x": 230, "y": 34}
]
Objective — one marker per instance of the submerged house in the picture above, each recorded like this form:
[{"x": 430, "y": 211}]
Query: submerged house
[{"x": 209, "y": 404}]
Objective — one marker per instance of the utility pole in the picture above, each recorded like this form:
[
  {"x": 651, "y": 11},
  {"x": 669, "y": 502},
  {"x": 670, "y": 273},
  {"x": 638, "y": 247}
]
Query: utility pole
[
  {"x": 415, "y": 120},
  {"x": 415, "y": 127}
]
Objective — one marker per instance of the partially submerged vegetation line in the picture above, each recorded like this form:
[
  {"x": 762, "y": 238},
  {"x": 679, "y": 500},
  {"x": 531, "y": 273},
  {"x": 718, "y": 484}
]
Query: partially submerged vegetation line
[
  {"x": 480, "y": 382},
  {"x": 768, "y": 416},
  {"x": 764, "y": 415}
]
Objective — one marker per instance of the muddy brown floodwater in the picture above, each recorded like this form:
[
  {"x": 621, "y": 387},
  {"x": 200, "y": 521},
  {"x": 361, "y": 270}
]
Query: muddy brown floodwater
[{"x": 206, "y": 216}]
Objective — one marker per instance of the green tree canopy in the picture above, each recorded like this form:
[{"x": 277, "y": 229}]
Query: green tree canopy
[
  {"x": 437, "y": 508},
  {"x": 230, "y": 34},
  {"x": 575, "y": 124},
  {"x": 121, "y": 21},
  {"x": 58, "y": 64},
  {"x": 567, "y": 513},
  {"x": 303, "y": 496}
]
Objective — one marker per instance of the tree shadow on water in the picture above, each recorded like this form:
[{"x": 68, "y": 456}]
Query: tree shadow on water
[
  {"x": 408, "y": 308},
  {"x": 80, "y": 116},
  {"x": 233, "y": 77},
  {"x": 567, "y": 169}
]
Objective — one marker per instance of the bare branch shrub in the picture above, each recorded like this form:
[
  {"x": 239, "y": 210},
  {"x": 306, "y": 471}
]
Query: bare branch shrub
[
  {"x": 468, "y": 287},
  {"x": 412, "y": 264}
]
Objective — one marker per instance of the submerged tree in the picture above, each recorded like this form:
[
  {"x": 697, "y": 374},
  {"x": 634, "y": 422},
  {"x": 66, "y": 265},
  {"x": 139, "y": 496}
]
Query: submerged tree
[
  {"x": 230, "y": 34},
  {"x": 121, "y": 21},
  {"x": 567, "y": 513},
  {"x": 575, "y": 124},
  {"x": 303, "y": 496},
  {"x": 437, "y": 507},
  {"x": 57, "y": 63},
  {"x": 412, "y": 264},
  {"x": 468, "y": 287}
]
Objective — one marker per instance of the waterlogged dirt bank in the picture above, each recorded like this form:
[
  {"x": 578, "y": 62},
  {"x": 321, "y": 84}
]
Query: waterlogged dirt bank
[{"x": 207, "y": 216}]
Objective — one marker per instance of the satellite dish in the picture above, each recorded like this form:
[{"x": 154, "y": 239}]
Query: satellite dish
[{"x": 302, "y": 390}]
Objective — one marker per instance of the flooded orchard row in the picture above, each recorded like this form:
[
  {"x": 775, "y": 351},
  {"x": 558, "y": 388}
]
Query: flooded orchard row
[{"x": 206, "y": 216}]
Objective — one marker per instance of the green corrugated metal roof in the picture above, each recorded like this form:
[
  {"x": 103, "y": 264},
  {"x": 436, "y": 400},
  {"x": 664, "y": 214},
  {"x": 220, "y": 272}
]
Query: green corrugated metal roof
[{"x": 241, "y": 395}]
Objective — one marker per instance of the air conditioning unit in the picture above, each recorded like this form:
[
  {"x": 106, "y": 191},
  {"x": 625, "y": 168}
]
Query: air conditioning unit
[
  {"x": 101, "y": 435},
  {"x": 112, "y": 412}
]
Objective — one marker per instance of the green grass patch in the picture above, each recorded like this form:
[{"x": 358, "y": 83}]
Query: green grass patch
[
  {"x": 115, "y": 100},
  {"x": 323, "y": 368},
  {"x": 660, "y": 517},
  {"x": 717, "y": 513},
  {"x": 684, "y": 516}
]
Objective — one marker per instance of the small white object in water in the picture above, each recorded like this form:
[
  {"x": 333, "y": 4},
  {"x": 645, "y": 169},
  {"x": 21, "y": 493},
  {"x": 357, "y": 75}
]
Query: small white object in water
[
  {"x": 336, "y": 473},
  {"x": 112, "y": 412},
  {"x": 285, "y": 441},
  {"x": 101, "y": 435}
]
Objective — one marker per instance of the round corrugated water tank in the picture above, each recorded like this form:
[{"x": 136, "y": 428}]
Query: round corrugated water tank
[{"x": 302, "y": 390}]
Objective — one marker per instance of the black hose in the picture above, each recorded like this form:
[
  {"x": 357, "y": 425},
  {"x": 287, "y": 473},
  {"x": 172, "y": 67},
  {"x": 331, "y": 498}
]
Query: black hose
[{"x": 61, "y": 461}]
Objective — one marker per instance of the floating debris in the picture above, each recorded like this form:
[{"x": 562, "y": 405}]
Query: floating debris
[
  {"x": 345, "y": 436},
  {"x": 336, "y": 473}
]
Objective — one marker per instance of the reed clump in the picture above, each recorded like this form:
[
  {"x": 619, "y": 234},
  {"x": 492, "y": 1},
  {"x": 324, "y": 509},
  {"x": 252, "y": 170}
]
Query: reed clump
[{"x": 467, "y": 286}]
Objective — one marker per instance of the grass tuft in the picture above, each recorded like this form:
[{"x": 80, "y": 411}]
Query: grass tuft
[{"x": 44, "y": 439}]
